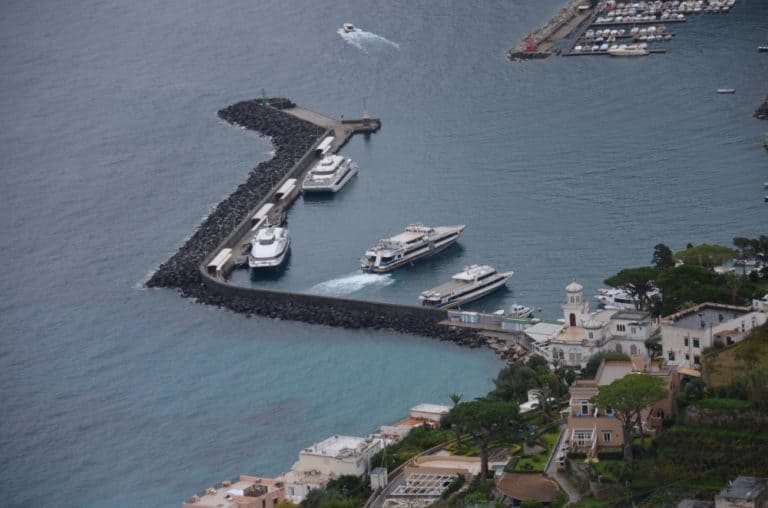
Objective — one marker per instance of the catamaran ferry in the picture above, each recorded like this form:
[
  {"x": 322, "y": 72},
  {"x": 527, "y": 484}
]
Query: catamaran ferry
[
  {"x": 269, "y": 247},
  {"x": 330, "y": 174},
  {"x": 416, "y": 242},
  {"x": 474, "y": 282}
]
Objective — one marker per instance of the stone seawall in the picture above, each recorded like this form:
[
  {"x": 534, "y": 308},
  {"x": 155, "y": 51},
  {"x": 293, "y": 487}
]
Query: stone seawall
[
  {"x": 291, "y": 138},
  {"x": 185, "y": 270}
]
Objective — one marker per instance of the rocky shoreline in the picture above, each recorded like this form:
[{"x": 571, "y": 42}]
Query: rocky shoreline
[{"x": 292, "y": 138}]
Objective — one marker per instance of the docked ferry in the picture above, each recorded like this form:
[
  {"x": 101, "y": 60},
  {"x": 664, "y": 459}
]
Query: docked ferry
[
  {"x": 416, "y": 242},
  {"x": 330, "y": 174},
  {"x": 473, "y": 283},
  {"x": 269, "y": 247}
]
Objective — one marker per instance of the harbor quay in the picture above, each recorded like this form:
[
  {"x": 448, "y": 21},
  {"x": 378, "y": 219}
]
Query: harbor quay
[{"x": 200, "y": 268}]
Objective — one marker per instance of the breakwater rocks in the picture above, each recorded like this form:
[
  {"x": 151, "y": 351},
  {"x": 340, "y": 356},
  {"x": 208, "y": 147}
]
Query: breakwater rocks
[{"x": 291, "y": 138}]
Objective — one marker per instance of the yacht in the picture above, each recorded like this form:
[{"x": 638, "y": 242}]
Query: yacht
[
  {"x": 269, "y": 247},
  {"x": 615, "y": 298},
  {"x": 416, "y": 242},
  {"x": 520, "y": 311},
  {"x": 474, "y": 282},
  {"x": 330, "y": 174},
  {"x": 349, "y": 27},
  {"x": 726, "y": 90},
  {"x": 627, "y": 50}
]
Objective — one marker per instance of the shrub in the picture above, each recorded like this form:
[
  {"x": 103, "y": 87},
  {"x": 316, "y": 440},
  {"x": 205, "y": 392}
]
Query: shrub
[{"x": 610, "y": 455}]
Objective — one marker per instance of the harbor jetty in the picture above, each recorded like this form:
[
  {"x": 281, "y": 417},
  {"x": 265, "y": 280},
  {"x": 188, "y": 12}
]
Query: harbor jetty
[
  {"x": 544, "y": 41},
  {"x": 200, "y": 268}
]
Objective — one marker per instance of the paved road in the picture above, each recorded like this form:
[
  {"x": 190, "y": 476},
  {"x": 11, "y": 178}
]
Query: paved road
[{"x": 560, "y": 478}]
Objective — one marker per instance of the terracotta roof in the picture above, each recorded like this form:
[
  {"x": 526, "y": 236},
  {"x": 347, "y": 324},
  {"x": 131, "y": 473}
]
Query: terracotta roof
[{"x": 527, "y": 487}]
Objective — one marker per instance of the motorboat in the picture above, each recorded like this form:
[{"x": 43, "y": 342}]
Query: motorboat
[
  {"x": 616, "y": 298},
  {"x": 269, "y": 247},
  {"x": 416, "y": 242},
  {"x": 627, "y": 50},
  {"x": 348, "y": 27},
  {"x": 763, "y": 49},
  {"x": 520, "y": 311},
  {"x": 472, "y": 283},
  {"x": 329, "y": 174},
  {"x": 726, "y": 90}
]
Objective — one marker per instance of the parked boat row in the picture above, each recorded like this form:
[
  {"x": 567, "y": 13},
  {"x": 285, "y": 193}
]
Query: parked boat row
[{"x": 639, "y": 49}]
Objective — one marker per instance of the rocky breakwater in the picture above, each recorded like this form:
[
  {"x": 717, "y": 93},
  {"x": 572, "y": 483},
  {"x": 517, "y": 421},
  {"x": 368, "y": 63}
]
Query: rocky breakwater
[{"x": 291, "y": 138}]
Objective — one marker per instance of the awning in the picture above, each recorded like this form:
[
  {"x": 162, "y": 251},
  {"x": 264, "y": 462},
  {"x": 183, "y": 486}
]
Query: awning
[{"x": 689, "y": 372}]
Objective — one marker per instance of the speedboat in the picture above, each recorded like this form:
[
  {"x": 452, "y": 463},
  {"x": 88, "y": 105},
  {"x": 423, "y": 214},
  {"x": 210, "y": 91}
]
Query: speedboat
[
  {"x": 469, "y": 285},
  {"x": 330, "y": 174},
  {"x": 269, "y": 247},
  {"x": 520, "y": 311},
  {"x": 726, "y": 90},
  {"x": 416, "y": 242},
  {"x": 349, "y": 27}
]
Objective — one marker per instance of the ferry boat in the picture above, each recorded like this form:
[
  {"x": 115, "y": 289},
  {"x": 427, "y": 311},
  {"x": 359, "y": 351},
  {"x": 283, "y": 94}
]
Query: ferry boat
[
  {"x": 330, "y": 174},
  {"x": 416, "y": 242},
  {"x": 627, "y": 50},
  {"x": 269, "y": 247},
  {"x": 349, "y": 27},
  {"x": 474, "y": 282},
  {"x": 616, "y": 298}
]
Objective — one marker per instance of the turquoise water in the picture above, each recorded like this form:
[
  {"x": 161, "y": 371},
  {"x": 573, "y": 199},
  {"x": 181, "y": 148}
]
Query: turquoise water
[{"x": 112, "y": 154}]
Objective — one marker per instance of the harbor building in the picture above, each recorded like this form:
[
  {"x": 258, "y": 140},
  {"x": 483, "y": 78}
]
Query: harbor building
[
  {"x": 246, "y": 492},
  {"x": 584, "y": 333},
  {"x": 685, "y": 334},
  {"x": 593, "y": 429},
  {"x": 333, "y": 457}
]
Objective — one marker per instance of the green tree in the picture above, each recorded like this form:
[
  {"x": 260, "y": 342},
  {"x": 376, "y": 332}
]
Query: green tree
[
  {"x": 456, "y": 398},
  {"x": 637, "y": 282},
  {"x": 745, "y": 245},
  {"x": 485, "y": 420},
  {"x": 687, "y": 284},
  {"x": 706, "y": 255},
  {"x": 628, "y": 397},
  {"x": 662, "y": 257},
  {"x": 512, "y": 383}
]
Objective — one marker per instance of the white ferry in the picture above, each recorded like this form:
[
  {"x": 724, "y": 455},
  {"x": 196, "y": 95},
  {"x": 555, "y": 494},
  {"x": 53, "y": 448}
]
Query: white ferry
[
  {"x": 614, "y": 298},
  {"x": 330, "y": 174},
  {"x": 474, "y": 282},
  {"x": 416, "y": 242},
  {"x": 269, "y": 247}
]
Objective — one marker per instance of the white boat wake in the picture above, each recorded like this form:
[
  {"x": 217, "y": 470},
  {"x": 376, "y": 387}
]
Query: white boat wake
[
  {"x": 362, "y": 39},
  {"x": 351, "y": 283}
]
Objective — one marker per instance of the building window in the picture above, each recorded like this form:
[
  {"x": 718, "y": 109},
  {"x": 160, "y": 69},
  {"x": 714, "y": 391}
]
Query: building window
[
  {"x": 633, "y": 329},
  {"x": 562, "y": 354},
  {"x": 584, "y": 407},
  {"x": 583, "y": 437},
  {"x": 696, "y": 343},
  {"x": 697, "y": 360},
  {"x": 263, "y": 503},
  {"x": 621, "y": 328},
  {"x": 633, "y": 350},
  {"x": 685, "y": 342},
  {"x": 671, "y": 356},
  {"x": 572, "y": 319},
  {"x": 619, "y": 349},
  {"x": 607, "y": 436},
  {"x": 687, "y": 357},
  {"x": 591, "y": 335}
]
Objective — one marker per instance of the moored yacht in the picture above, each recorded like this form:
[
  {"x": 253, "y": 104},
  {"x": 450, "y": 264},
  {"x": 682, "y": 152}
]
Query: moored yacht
[
  {"x": 520, "y": 311},
  {"x": 474, "y": 282},
  {"x": 330, "y": 174},
  {"x": 416, "y": 242},
  {"x": 616, "y": 298},
  {"x": 269, "y": 247},
  {"x": 627, "y": 50}
]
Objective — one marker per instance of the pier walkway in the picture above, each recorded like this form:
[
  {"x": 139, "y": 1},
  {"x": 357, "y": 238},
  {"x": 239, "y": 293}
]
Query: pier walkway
[{"x": 342, "y": 129}]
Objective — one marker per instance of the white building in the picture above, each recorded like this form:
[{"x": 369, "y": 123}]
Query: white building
[
  {"x": 686, "y": 334},
  {"x": 329, "y": 459},
  {"x": 431, "y": 412},
  {"x": 584, "y": 333}
]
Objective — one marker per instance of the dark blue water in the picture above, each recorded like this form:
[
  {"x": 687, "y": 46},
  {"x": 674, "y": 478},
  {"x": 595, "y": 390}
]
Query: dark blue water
[{"x": 112, "y": 154}]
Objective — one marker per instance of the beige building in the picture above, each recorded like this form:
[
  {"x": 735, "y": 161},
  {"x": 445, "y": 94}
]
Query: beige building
[
  {"x": 686, "y": 334},
  {"x": 247, "y": 492},
  {"x": 592, "y": 429},
  {"x": 584, "y": 333}
]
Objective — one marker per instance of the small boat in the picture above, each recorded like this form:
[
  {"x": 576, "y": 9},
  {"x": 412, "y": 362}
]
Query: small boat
[
  {"x": 520, "y": 311},
  {"x": 726, "y": 90},
  {"x": 269, "y": 247},
  {"x": 467, "y": 286},
  {"x": 762, "y": 49},
  {"x": 349, "y": 27},
  {"x": 329, "y": 175},
  {"x": 416, "y": 242}
]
